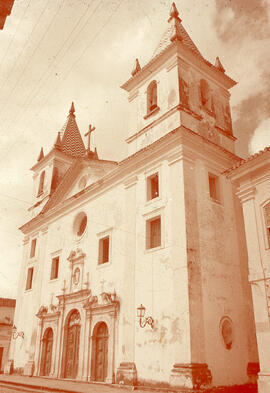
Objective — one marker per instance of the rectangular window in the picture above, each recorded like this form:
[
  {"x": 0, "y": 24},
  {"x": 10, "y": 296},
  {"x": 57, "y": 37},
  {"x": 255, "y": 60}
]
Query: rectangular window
[
  {"x": 214, "y": 191},
  {"x": 152, "y": 187},
  {"x": 33, "y": 248},
  {"x": 153, "y": 233},
  {"x": 266, "y": 211},
  {"x": 104, "y": 247},
  {"x": 29, "y": 279},
  {"x": 54, "y": 268}
]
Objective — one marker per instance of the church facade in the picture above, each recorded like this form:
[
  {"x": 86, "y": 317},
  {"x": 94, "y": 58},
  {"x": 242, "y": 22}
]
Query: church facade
[{"x": 135, "y": 272}]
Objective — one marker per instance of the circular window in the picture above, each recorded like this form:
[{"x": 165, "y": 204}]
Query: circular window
[
  {"x": 80, "y": 223},
  {"x": 226, "y": 331},
  {"x": 82, "y": 182}
]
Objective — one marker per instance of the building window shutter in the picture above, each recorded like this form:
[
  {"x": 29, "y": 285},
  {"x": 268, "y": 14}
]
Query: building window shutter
[
  {"x": 266, "y": 210},
  {"x": 54, "y": 268},
  {"x": 104, "y": 246},
  {"x": 33, "y": 248},
  {"x": 29, "y": 279}
]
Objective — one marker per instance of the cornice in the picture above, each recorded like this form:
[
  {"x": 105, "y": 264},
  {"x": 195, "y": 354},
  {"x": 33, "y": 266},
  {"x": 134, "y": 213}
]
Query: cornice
[
  {"x": 195, "y": 143},
  {"x": 154, "y": 123},
  {"x": 246, "y": 194},
  {"x": 53, "y": 154},
  {"x": 182, "y": 51},
  {"x": 131, "y": 181}
]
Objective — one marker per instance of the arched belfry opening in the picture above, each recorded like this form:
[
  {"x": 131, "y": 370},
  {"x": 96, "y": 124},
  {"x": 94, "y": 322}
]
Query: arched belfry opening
[
  {"x": 99, "y": 366},
  {"x": 46, "y": 354},
  {"x": 71, "y": 345},
  {"x": 151, "y": 96}
]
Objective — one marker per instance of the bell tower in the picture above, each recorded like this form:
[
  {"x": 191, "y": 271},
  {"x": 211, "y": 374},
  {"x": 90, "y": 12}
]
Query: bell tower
[
  {"x": 178, "y": 87},
  {"x": 51, "y": 168}
]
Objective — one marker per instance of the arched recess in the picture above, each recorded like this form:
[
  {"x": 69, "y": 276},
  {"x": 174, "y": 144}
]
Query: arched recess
[
  {"x": 99, "y": 363},
  {"x": 70, "y": 359},
  {"x": 151, "y": 96},
  {"x": 41, "y": 183},
  {"x": 46, "y": 354}
]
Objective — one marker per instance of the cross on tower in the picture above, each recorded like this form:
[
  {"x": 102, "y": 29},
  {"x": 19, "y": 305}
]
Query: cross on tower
[{"x": 91, "y": 129}]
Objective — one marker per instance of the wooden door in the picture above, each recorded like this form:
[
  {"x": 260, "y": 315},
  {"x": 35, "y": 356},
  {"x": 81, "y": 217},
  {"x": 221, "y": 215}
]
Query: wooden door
[
  {"x": 101, "y": 355},
  {"x": 46, "y": 357},
  {"x": 72, "y": 352}
]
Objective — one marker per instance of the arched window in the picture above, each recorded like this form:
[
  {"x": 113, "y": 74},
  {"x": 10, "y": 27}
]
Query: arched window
[
  {"x": 206, "y": 97},
  {"x": 152, "y": 96},
  {"x": 54, "y": 179},
  {"x": 41, "y": 183}
]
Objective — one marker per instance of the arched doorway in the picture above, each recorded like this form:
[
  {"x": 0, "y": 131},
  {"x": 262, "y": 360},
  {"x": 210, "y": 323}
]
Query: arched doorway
[
  {"x": 71, "y": 345},
  {"x": 100, "y": 352},
  {"x": 46, "y": 354}
]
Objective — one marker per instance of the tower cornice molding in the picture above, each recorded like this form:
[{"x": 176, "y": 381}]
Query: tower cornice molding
[{"x": 246, "y": 194}]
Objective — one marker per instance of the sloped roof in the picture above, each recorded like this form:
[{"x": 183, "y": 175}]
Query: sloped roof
[
  {"x": 245, "y": 161},
  {"x": 72, "y": 142},
  {"x": 175, "y": 31}
]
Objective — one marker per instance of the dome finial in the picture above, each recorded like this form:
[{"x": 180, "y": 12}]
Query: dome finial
[{"x": 72, "y": 109}]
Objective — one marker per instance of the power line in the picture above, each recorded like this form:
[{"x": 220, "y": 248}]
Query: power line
[
  {"x": 19, "y": 55},
  {"x": 36, "y": 90},
  {"x": 33, "y": 53},
  {"x": 17, "y": 199},
  {"x": 82, "y": 53},
  {"x": 87, "y": 47},
  {"x": 17, "y": 27}
]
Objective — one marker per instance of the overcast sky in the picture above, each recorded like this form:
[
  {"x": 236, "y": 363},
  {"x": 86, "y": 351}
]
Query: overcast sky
[{"x": 53, "y": 52}]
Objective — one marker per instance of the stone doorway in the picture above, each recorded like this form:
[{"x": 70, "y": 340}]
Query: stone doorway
[
  {"x": 100, "y": 353},
  {"x": 71, "y": 345},
  {"x": 46, "y": 354}
]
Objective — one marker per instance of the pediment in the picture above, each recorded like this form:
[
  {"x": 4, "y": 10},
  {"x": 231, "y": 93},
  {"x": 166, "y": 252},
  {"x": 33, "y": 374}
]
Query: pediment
[{"x": 80, "y": 175}]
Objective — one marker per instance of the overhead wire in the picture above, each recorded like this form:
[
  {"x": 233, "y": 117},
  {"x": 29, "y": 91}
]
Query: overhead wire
[
  {"x": 26, "y": 42},
  {"x": 82, "y": 53},
  {"x": 32, "y": 55},
  {"x": 14, "y": 35},
  {"x": 36, "y": 90}
]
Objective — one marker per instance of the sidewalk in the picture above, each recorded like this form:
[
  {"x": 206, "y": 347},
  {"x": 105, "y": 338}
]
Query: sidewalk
[
  {"x": 39, "y": 384},
  {"x": 20, "y": 383}
]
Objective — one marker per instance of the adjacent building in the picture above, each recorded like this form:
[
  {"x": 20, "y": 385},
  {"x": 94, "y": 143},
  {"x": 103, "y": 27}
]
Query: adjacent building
[
  {"x": 252, "y": 178},
  {"x": 135, "y": 272},
  {"x": 7, "y": 308}
]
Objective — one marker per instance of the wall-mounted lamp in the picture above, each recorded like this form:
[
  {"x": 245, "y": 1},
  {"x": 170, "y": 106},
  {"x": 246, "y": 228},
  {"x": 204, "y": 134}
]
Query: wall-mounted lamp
[
  {"x": 144, "y": 320},
  {"x": 16, "y": 334}
]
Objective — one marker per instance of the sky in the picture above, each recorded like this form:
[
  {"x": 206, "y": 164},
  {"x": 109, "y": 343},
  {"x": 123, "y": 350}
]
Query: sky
[{"x": 53, "y": 52}]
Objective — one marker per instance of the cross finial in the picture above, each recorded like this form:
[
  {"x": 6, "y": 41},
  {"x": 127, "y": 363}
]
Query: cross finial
[
  {"x": 91, "y": 129},
  {"x": 72, "y": 109}
]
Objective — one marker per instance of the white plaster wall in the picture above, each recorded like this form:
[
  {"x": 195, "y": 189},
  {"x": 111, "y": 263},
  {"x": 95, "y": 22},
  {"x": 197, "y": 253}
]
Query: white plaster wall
[{"x": 224, "y": 277}]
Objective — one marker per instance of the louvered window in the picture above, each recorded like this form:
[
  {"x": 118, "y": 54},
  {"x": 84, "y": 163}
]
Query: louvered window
[{"x": 267, "y": 221}]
